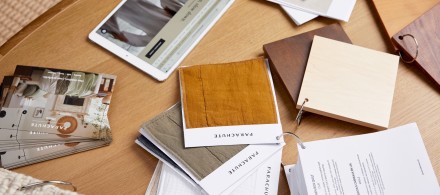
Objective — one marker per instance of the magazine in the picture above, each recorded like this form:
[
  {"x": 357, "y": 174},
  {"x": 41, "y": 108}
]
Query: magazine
[{"x": 45, "y": 108}]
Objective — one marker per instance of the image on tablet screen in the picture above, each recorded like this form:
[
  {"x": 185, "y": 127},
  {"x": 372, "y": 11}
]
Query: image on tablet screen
[{"x": 137, "y": 22}]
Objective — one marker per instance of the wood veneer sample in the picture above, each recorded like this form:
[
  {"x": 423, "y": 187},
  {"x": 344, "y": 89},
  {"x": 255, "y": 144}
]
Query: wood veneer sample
[
  {"x": 237, "y": 93},
  {"x": 288, "y": 57},
  {"x": 426, "y": 30},
  {"x": 349, "y": 83},
  {"x": 396, "y": 14}
]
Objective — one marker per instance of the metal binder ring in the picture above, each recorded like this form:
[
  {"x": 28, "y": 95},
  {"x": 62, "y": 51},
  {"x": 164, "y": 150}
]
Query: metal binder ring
[
  {"x": 42, "y": 183},
  {"x": 298, "y": 140},
  {"x": 417, "y": 48},
  {"x": 300, "y": 112}
]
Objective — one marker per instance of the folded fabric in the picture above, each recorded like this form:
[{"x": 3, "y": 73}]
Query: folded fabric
[
  {"x": 237, "y": 93},
  {"x": 167, "y": 131}
]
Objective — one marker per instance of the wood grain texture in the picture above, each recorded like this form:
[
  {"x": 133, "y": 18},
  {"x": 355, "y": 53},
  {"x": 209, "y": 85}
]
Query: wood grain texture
[
  {"x": 349, "y": 83},
  {"x": 288, "y": 57},
  {"x": 425, "y": 29},
  {"x": 125, "y": 168},
  {"x": 396, "y": 14}
]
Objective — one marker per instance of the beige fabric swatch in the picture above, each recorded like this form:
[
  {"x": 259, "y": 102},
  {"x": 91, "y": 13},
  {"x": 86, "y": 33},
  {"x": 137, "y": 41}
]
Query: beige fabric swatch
[
  {"x": 237, "y": 93},
  {"x": 167, "y": 131},
  {"x": 10, "y": 182}
]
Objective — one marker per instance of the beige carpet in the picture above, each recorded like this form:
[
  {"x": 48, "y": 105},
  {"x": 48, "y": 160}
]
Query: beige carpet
[{"x": 16, "y": 14}]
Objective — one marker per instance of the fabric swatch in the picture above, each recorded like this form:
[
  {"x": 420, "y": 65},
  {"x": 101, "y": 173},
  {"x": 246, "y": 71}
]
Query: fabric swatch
[
  {"x": 167, "y": 131},
  {"x": 10, "y": 182},
  {"x": 237, "y": 93}
]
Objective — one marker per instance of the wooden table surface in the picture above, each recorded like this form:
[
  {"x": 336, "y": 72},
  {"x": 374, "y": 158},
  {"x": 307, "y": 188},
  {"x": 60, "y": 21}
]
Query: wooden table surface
[{"x": 125, "y": 168}]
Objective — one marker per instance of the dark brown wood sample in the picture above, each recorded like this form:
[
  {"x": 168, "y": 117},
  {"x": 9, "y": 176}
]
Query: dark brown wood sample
[
  {"x": 288, "y": 57},
  {"x": 426, "y": 30}
]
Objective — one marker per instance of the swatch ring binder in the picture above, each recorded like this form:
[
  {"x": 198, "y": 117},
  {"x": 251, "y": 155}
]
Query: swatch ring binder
[
  {"x": 42, "y": 183},
  {"x": 300, "y": 112},
  {"x": 300, "y": 142},
  {"x": 401, "y": 37},
  {"x": 298, "y": 121}
]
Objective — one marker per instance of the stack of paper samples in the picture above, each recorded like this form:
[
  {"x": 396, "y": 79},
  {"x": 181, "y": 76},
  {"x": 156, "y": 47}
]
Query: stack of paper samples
[
  {"x": 204, "y": 167},
  {"x": 393, "y": 161},
  {"x": 226, "y": 129},
  {"x": 48, "y": 113},
  {"x": 168, "y": 180},
  {"x": 303, "y": 11}
]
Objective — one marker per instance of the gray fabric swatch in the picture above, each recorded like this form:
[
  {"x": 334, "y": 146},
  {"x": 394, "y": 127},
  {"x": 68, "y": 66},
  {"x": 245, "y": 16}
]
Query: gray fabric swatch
[{"x": 167, "y": 131}]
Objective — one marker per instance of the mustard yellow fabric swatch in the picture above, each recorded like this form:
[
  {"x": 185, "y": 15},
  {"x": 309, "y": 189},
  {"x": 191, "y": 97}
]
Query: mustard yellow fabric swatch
[{"x": 237, "y": 93}]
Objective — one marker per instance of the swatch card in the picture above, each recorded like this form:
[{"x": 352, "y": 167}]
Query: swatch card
[
  {"x": 228, "y": 104},
  {"x": 263, "y": 180},
  {"x": 349, "y": 83},
  {"x": 163, "y": 137}
]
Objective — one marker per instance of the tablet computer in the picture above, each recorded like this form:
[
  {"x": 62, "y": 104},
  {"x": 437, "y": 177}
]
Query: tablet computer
[{"x": 156, "y": 35}]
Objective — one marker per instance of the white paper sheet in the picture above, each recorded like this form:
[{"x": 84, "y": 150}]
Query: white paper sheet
[
  {"x": 339, "y": 10},
  {"x": 298, "y": 16},
  {"x": 291, "y": 180},
  {"x": 263, "y": 180},
  {"x": 393, "y": 161}
]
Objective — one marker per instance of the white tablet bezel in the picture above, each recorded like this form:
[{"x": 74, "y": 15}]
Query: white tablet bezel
[{"x": 136, "y": 61}]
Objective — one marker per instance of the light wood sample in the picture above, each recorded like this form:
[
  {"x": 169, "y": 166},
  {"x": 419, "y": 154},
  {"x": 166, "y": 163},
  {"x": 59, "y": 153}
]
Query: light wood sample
[
  {"x": 349, "y": 83},
  {"x": 288, "y": 57}
]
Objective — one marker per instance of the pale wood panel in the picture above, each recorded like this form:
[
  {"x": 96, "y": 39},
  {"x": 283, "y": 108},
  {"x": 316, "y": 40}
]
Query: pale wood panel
[
  {"x": 349, "y": 83},
  {"x": 125, "y": 168}
]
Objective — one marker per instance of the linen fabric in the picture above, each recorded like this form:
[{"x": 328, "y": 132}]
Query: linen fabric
[
  {"x": 166, "y": 130},
  {"x": 237, "y": 93},
  {"x": 10, "y": 182}
]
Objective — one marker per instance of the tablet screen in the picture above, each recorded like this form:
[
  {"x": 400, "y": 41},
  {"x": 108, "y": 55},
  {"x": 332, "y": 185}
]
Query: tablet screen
[{"x": 158, "y": 31}]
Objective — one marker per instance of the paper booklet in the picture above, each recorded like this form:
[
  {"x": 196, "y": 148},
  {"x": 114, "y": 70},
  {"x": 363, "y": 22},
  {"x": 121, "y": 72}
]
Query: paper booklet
[
  {"x": 206, "y": 166},
  {"x": 263, "y": 180},
  {"x": 48, "y": 113},
  {"x": 393, "y": 161},
  {"x": 335, "y": 9}
]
